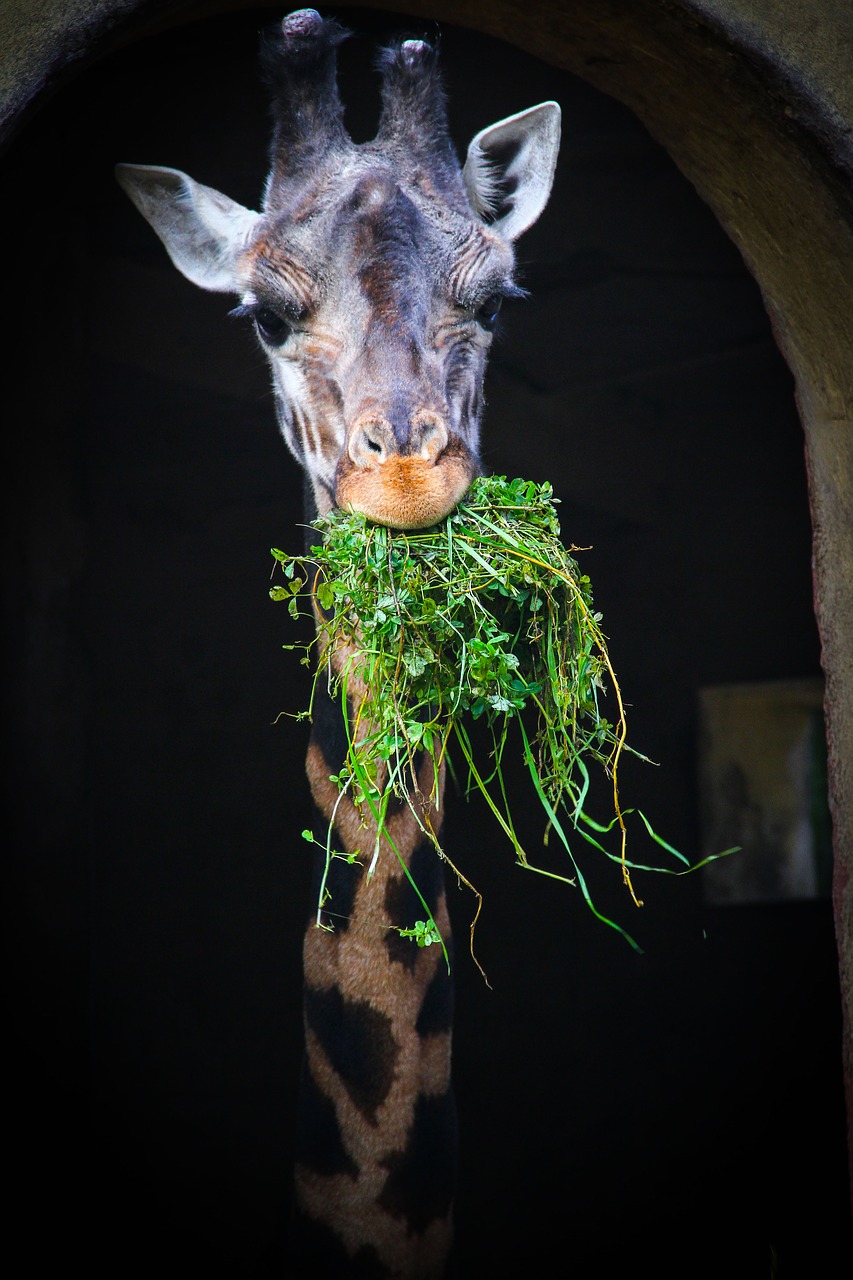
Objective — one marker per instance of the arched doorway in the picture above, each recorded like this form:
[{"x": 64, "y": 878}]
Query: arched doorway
[{"x": 611, "y": 73}]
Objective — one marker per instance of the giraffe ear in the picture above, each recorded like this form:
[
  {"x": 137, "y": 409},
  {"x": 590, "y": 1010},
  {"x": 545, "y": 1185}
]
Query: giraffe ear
[
  {"x": 509, "y": 170},
  {"x": 203, "y": 230}
]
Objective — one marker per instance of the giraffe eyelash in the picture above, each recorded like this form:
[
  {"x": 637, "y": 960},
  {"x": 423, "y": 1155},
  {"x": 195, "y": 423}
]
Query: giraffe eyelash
[
  {"x": 273, "y": 325},
  {"x": 244, "y": 311},
  {"x": 249, "y": 310}
]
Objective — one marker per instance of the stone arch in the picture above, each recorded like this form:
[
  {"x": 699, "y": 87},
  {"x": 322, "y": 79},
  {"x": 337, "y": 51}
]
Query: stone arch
[{"x": 754, "y": 104}]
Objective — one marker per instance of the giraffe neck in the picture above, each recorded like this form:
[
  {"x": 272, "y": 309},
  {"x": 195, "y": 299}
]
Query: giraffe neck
[{"x": 375, "y": 1141}]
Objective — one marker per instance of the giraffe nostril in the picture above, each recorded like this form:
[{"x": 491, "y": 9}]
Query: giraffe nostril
[
  {"x": 431, "y": 434},
  {"x": 370, "y": 442}
]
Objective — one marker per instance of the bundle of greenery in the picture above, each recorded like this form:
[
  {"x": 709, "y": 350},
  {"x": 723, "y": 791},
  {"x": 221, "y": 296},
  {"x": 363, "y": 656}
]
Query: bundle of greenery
[{"x": 484, "y": 616}]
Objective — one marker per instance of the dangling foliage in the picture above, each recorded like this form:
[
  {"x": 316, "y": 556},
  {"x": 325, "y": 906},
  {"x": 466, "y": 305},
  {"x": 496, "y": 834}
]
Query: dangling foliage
[{"x": 485, "y": 616}]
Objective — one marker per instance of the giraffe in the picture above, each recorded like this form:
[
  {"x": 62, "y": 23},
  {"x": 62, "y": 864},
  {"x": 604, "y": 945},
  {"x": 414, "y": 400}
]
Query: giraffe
[{"x": 373, "y": 276}]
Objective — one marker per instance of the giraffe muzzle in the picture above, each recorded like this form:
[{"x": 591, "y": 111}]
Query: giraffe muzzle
[{"x": 406, "y": 475}]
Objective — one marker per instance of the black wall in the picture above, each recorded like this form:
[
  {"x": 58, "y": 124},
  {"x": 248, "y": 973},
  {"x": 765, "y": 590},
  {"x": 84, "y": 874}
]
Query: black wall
[{"x": 612, "y": 1105}]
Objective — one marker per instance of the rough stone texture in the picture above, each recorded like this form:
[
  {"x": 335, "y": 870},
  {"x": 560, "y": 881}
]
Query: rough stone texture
[
  {"x": 41, "y": 39},
  {"x": 754, "y": 101},
  {"x": 810, "y": 45}
]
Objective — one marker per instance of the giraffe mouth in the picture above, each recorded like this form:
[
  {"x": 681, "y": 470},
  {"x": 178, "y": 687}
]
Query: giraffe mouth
[{"x": 406, "y": 491}]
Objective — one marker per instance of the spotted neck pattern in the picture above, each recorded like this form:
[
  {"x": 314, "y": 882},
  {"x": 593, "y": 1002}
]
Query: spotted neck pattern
[{"x": 376, "y": 1132}]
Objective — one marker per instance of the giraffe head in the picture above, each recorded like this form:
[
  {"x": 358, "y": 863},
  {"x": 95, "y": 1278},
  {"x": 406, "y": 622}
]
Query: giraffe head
[{"x": 373, "y": 274}]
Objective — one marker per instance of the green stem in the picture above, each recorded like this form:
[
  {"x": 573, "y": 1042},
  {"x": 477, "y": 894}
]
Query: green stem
[{"x": 555, "y": 822}]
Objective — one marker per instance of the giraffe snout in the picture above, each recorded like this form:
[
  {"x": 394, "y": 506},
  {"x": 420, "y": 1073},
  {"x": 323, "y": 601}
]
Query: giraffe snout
[
  {"x": 374, "y": 439},
  {"x": 406, "y": 474}
]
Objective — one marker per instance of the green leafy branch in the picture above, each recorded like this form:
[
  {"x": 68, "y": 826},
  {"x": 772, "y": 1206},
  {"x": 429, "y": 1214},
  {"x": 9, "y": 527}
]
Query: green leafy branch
[{"x": 484, "y": 617}]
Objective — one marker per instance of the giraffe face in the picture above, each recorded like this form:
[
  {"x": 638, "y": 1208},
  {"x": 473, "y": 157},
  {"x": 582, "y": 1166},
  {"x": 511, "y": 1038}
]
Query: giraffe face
[
  {"x": 377, "y": 320},
  {"x": 374, "y": 274}
]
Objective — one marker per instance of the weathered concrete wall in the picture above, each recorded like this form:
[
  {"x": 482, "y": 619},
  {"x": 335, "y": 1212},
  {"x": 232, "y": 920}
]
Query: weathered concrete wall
[
  {"x": 44, "y": 41},
  {"x": 754, "y": 101},
  {"x": 810, "y": 45}
]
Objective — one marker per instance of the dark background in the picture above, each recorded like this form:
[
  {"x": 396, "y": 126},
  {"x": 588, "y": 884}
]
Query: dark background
[{"x": 681, "y": 1108}]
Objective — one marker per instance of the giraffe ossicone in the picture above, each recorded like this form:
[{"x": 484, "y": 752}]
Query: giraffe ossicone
[{"x": 373, "y": 274}]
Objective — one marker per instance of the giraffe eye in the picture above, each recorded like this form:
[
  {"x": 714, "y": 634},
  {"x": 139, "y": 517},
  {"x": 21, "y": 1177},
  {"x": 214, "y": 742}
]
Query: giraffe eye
[
  {"x": 272, "y": 327},
  {"x": 487, "y": 312}
]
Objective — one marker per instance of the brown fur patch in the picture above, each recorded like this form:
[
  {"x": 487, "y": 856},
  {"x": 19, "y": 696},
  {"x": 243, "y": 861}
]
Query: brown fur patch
[
  {"x": 356, "y": 963},
  {"x": 350, "y": 1207}
]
